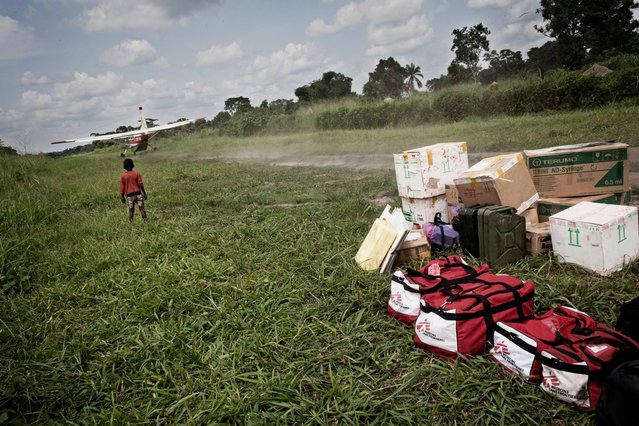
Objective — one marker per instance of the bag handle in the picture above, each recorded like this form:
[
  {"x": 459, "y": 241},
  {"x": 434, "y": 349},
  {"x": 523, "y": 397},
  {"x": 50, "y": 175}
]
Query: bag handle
[
  {"x": 445, "y": 284},
  {"x": 437, "y": 220},
  {"x": 612, "y": 336},
  {"x": 440, "y": 223},
  {"x": 507, "y": 288}
]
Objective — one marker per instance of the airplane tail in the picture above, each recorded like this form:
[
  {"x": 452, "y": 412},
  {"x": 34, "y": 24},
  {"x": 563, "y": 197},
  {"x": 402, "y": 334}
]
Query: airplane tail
[{"x": 142, "y": 120}]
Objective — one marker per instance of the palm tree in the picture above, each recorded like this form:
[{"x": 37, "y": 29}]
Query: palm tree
[{"x": 414, "y": 74}]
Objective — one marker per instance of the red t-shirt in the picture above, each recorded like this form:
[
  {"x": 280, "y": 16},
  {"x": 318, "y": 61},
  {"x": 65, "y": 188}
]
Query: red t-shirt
[{"x": 130, "y": 182}]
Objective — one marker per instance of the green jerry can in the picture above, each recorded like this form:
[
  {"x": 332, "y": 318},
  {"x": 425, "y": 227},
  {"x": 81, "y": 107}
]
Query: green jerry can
[
  {"x": 466, "y": 223},
  {"x": 502, "y": 235}
]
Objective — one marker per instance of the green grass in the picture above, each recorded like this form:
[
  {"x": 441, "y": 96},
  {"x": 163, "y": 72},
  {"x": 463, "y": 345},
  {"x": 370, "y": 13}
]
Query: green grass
[
  {"x": 238, "y": 302},
  {"x": 503, "y": 133}
]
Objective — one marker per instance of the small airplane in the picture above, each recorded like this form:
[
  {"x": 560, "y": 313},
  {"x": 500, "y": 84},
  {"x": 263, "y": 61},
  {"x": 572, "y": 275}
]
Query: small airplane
[{"x": 135, "y": 140}]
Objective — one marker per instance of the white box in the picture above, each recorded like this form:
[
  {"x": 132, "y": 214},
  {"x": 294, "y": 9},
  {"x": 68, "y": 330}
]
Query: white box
[
  {"x": 424, "y": 172},
  {"x": 602, "y": 238},
  {"x": 420, "y": 210}
]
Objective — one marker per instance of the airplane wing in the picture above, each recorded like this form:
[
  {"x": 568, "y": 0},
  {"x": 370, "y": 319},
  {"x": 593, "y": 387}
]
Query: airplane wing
[
  {"x": 168, "y": 126},
  {"x": 125, "y": 135}
]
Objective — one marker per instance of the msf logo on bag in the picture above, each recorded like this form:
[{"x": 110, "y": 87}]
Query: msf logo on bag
[
  {"x": 423, "y": 326},
  {"x": 396, "y": 298},
  {"x": 550, "y": 381},
  {"x": 501, "y": 348}
]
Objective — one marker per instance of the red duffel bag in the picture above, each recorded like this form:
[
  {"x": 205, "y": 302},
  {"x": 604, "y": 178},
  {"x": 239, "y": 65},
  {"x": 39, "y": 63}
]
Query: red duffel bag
[
  {"x": 460, "y": 319},
  {"x": 407, "y": 287},
  {"x": 575, "y": 371},
  {"x": 517, "y": 345}
]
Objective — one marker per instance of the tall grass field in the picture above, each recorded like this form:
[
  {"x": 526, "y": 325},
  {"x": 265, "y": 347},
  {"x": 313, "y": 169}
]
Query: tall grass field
[{"x": 238, "y": 301}]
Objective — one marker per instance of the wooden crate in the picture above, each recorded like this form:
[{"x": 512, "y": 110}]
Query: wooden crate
[{"x": 538, "y": 238}]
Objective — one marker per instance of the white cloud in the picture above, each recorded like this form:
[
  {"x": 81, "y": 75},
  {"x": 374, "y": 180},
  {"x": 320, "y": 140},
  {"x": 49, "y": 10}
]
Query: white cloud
[
  {"x": 29, "y": 78},
  {"x": 198, "y": 93},
  {"x": 519, "y": 33},
  {"x": 140, "y": 14},
  {"x": 394, "y": 26},
  {"x": 140, "y": 92},
  {"x": 416, "y": 28},
  {"x": 478, "y": 4},
  {"x": 121, "y": 14},
  {"x": 386, "y": 11},
  {"x": 84, "y": 86},
  {"x": 512, "y": 29},
  {"x": 16, "y": 41},
  {"x": 10, "y": 116},
  {"x": 272, "y": 76},
  {"x": 347, "y": 16},
  {"x": 218, "y": 53},
  {"x": 397, "y": 38},
  {"x": 162, "y": 62},
  {"x": 525, "y": 10},
  {"x": 396, "y": 48},
  {"x": 291, "y": 60},
  {"x": 130, "y": 52},
  {"x": 32, "y": 99}
]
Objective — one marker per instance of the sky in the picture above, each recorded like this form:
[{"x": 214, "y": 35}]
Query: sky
[{"x": 72, "y": 67}]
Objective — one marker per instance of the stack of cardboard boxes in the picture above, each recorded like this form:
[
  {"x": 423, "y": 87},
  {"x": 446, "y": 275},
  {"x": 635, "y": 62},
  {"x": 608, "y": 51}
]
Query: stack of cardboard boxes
[
  {"x": 422, "y": 175},
  {"x": 570, "y": 174},
  {"x": 581, "y": 188},
  {"x": 553, "y": 188}
]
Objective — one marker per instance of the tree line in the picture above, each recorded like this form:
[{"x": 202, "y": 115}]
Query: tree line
[{"x": 580, "y": 32}]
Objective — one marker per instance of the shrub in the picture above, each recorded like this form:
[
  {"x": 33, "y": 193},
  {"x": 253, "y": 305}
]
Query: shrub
[
  {"x": 492, "y": 102},
  {"x": 456, "y": 106},
  {"x": 623, "y": 84},
  {"x": 282, "y": 123},
  {"x": 246, "y": 124},
  {"x": 619, "y": 62}
]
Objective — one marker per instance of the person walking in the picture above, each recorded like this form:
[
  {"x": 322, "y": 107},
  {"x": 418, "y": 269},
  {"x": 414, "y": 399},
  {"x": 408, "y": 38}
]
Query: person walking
[{"x": 132, "y": 189}]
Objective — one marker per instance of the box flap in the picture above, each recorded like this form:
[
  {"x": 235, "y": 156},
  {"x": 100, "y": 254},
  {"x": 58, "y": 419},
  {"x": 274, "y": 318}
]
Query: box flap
[{"x": 491, "y": 168}]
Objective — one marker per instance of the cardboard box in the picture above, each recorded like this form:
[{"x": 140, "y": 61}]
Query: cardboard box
[
  {"x": 530, "y": 215},
  {"x": 547, "y": 207},
  {"x": 583, "y": 169},
  {"x": 420, "y": 210},
  {"x": 453, "y": 201},
  {"x": 538, "y": 238},
  {"x": 424, "y": 172},
  {"x": 602, "y": 238},
  {"x": 414, "y": 247},
  {"x": 502, "y": 180}
]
